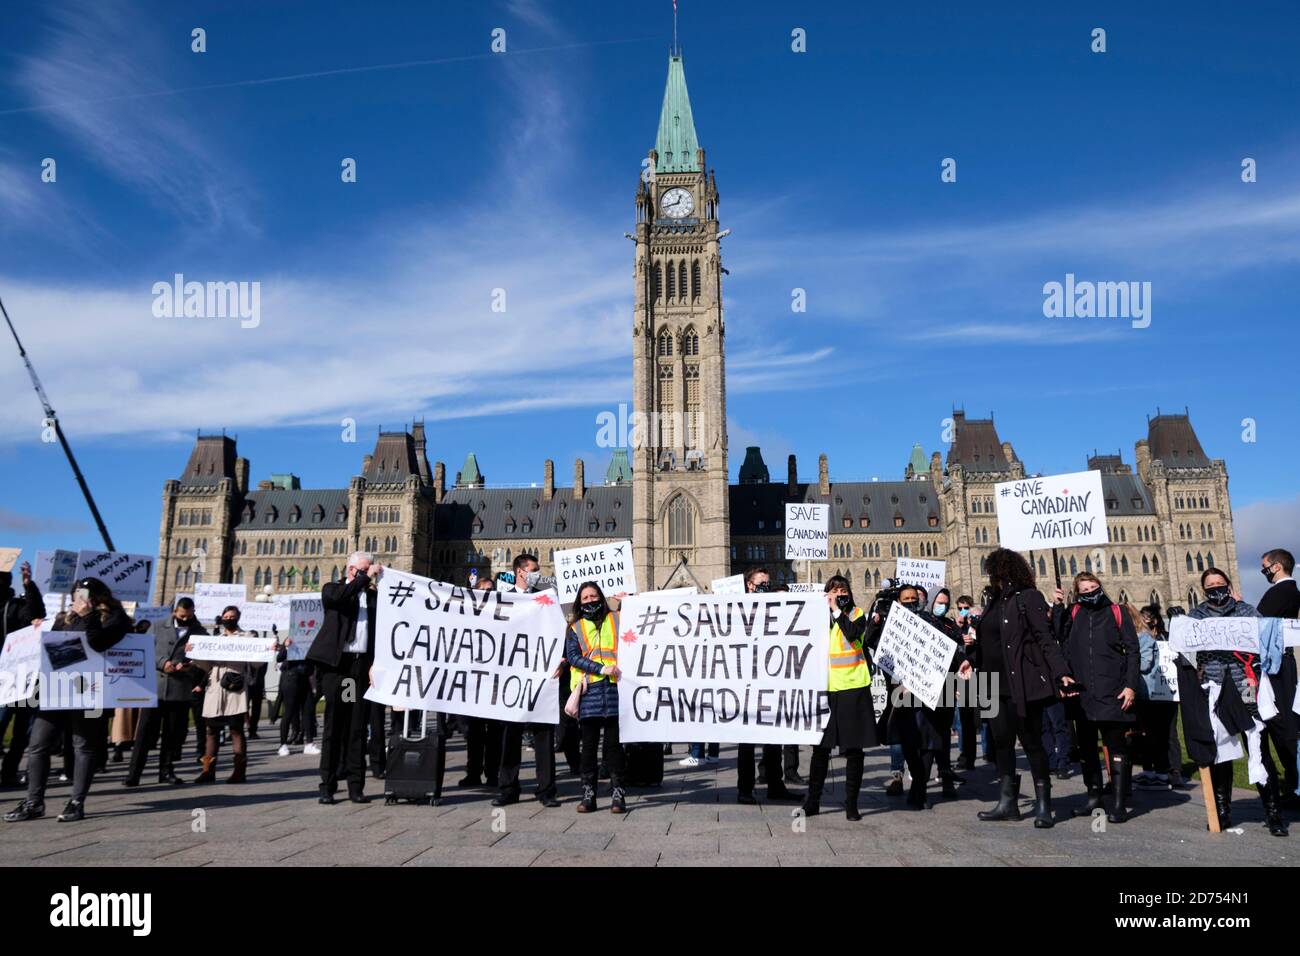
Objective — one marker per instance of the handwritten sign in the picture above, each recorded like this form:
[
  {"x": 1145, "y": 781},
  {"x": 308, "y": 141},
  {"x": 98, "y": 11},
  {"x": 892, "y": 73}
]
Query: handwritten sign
[
  {"x": 609, "y": 565},
  {"x": 806, "y": 587},
  {"x": 916, "y": 654},
  {"x": 1163, "y": 684},
  {"x": 127, "y": 575},
  {"x": 928, "y": 574},
  {"x": 732, "y": 585},
  {"x": 74, "y": 676},
  {"x": 210, "y": 599},
  {"x": 807, "y": 531},
  {"x": 150, "y": 613},
  {"x": 306, "y": 614},
  {"x": 20, "y": 665},
  {"x": 1214, "y": 634},
  {"x": 231, "y": 647},
  {"x": 743, "y": 668},
  {"x": 55, "y": 571},
  {"x": 1058, "y": 511}
]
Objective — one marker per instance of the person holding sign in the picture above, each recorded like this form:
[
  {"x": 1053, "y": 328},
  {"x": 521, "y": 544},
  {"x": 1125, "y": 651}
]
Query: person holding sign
[
  {"x": 1156, "y": 708},
  {"x": 1015, "y": 645},
  {"x": 591, "y": 648},
  {"x": 1101, "y": 647},
  {"x": 16, "y": 613},
  {"x": 852, "y": 722},
  {"x": 177, "y": 677},
  {"x": 482, "y": 736},
  {"x": 1237, "y": 704},
  {"x": 225, "y": 704},
  {"x": 101, "y": 617}
]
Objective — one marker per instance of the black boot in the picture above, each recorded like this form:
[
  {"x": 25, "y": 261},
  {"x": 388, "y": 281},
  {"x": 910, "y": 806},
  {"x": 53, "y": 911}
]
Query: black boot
[
  {"x": 1273, "y": 819},
  {"x": 816, "y": 780},
  {"x": 920, "y": 781},
  {"x": 1043, "y": 804},
  {"x": 1120, "y": 771},
  {"x": 1007, "y": 808},
  {"x": 1093, "y": 783},
  {"x": 439, "y": 771},
  {"x": 618, "y": 796},
  {"x": 588, "y": 804},
  {"x": 852, "y": 785},
  {"x": 1221, "y": 784}
]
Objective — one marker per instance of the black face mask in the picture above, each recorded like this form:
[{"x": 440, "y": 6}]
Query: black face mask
[
  {"x": 763, "y": 587},
  {"x": 1091, "y": 598},
  {"x": 1218, "y": 596},
  {"x": 230, "y": 625},
  {"x": 592, "y": 609},
  {"x": 912, "y": 606},
  {"x": 844, "y": 603},
  {"x": 1268, "y": 574}
]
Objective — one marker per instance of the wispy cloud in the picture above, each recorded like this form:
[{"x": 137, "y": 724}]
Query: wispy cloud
[{"x": 15, "y": 522}]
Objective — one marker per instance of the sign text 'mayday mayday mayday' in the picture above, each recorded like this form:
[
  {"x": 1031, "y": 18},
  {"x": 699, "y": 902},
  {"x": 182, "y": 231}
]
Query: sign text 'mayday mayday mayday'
[
  {"x": 1054, "y": 511},
  {"x": 748, "y": 668},
  {"x": 457, "y": 650}
]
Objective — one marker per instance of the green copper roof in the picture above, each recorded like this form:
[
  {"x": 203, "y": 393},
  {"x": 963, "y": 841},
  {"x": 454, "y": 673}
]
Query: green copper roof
[
  {"x": 676, "y": 142},
  {"x": 919, "y": 465},
  {"x": 287, "y": 482},
  {"x": 469, "y": 473},
  {"x": 619, "y": 471}
]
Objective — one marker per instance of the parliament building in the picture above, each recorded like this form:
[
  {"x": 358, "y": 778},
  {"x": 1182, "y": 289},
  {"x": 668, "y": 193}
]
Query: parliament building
[{"x": 1168, "y": 513}]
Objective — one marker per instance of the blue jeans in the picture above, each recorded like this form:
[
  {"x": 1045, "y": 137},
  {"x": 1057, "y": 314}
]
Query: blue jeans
[
  {"x": 697, "y": 750},
  {"x": 896, "y": 758},
  {"x": 1056, "y": 736}
]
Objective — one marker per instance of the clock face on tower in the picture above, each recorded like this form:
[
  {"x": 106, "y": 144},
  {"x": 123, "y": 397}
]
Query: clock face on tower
[{"x": 677, "y": 203}]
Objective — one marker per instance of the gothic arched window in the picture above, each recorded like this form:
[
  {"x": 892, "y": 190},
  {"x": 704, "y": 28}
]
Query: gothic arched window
[
  {"x": 658, "y": 281},
  {"x": 672, "y": 280},
  {"x": 681, "y": 523},
  {"x": 665, "y": 343},
  {"x": 681, "y": 279},
  {"x": 695, "y": 280}
]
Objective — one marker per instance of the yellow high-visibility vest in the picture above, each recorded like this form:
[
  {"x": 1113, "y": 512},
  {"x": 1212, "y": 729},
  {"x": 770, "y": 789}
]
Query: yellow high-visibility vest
[
  {"x": 600, "y": 646},
  {"x": 848, "y": 663}
]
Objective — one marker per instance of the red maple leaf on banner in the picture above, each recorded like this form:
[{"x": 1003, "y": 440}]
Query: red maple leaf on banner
[
  {"x": 628, "y": 636},
  {"x": 543, "y": 599}
]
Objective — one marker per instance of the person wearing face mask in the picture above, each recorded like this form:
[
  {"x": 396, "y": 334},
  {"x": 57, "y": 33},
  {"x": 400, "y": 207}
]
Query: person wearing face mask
[
  {"x": 591, "y": 648},
  {"x": 942, "y": 719},
  {"x": 176, "y": 680},
  {"x": 852, "y": 722},
  {"x": 968, "y": 711},
  {"x": 482, "y": 736},
  {"x": 225, "y": 705},
  {"x": 1014, "y": 644},
  {"x": 527, "y": 573},
  {"x": 1102, "y": 650},
  {"x": 1282, "y": 600},
  {"x": 1237, "y": 675},
  {"x": 17, "y": 611},
  {"x": 758, "y": 581}
]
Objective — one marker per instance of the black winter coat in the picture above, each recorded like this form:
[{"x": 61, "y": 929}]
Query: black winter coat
[
  {"x": 342, "y": 604},
  {"x": 170, "y": 646},
  {"x": 1103, "y": 657},
  {"x": 1033, "y": 658},
  {"x": 20, "y": 610}
]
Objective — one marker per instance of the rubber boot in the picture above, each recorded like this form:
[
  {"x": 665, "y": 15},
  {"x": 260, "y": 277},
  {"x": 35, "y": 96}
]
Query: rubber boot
[
  {"x": 1091, "y": 778},
  {"x": 241, "y": 766},
  {"x": 1221, "y": 784},
  {"x": 1043, "y": 804},
  {"x": 1120, "y": 771},
  {"x": 916, "y": 799},
  {"x": 852, "y": 784},
  {"x": 1273, "y": 818},
  {"x": 1007, "y": 808},
  {"x": 821, "y": 762},
  {"x": 588, "y": 804}
]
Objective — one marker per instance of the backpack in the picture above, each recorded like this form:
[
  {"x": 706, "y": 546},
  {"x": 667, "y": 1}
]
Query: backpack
[{"x": 1114, "y": 608}]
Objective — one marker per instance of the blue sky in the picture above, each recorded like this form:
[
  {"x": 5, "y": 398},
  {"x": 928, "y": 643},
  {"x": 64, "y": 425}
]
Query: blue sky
[{"x": 479, "y": 171}]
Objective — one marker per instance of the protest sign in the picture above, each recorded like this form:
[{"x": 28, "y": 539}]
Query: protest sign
[
  {"x": 807, "y": 531},
  {"x": 306, "y": 614},
  {"x": 1214, "y": 634},
  {"x": 916, "y": 654},
  {"x": 150, "y": 613},
  {"x": 54, "y": 603},
  {"x": 20, "y": 665},
  {"x": 231, "y": 647},
  {"x": 130, "y": 677},
  {"x": 74, "y": 676},
  {"x": 734, "y": 668},
  {"x": 732, "y": 585},
  {"x": 1056, "y": 511},
  {"x": 1164, "y": 682},
  {"x": 210, "y": 599},
  {"x": 9, "y": 557},
  {"x": 1291, "y": 633},
  {"x": 609, "y": 565},
  {"x": 55, "y": 571},
  {"x": 265, "y": 617},
  {"x": 126, "y": 575},
  {"x": 461, "y": 651},
  {"x": 928, "y": 574},
  {"x": 806, "y": 587}
]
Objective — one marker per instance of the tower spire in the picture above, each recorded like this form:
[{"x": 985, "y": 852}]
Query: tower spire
[{"x": 676, "y": 143}]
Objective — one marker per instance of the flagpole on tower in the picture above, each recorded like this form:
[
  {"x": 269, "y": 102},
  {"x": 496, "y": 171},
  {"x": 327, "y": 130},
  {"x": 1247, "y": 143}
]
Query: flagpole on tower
[{"x": 676, "y": 50}]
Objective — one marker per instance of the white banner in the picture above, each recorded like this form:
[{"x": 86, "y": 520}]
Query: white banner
[
  {"x": 916, "y": 654},
  {"x": 54, "y": 603},
  {"x": 460, "y": 651},
  {"x": 55, "y": 571},
  {"x": 1214, "y": 634},
  {"x": 749, "y": 668},
  {"x": 131, "y": 676},
  {"x": 732, "y": 585},
  {"x": 76, "y": 677},
  {"x": 928, "y": 574},
  {"x": 1164, "y": 683},
  {"x": 609, "y": 565},
  {"x": 807, "y": 531},
  {"x": 127, "y": 575},
  {"x": 20, "y": 665},
  {"x": 262, "y": 616},
  {"x": 231, "y": 647},
  {"x": 1055, "y": 511},
  {"x": 210, "y": 599},
  {"x": 306, "y": 614}
]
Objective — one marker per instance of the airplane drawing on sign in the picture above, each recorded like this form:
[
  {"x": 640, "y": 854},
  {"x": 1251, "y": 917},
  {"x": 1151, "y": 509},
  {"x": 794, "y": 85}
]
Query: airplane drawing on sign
[{"x": 619, "y": 549}]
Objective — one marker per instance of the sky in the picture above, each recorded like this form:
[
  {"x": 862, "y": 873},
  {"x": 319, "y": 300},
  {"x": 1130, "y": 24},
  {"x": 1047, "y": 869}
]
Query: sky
[{"x": 480, "y": 171}]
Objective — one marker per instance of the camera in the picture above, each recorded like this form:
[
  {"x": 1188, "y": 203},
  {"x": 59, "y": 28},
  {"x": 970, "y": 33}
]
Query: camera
[{"x": 885, "y": 597}]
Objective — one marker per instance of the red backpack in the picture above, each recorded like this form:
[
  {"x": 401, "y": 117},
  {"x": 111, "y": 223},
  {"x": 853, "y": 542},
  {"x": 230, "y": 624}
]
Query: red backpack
[{"x": 1119, "y": 616}]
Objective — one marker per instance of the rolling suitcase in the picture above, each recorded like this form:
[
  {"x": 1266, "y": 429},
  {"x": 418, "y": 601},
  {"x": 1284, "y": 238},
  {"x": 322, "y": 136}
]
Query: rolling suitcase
[
  {"x": 417, "y": 759},
  {"x": 645, "y": 764}
]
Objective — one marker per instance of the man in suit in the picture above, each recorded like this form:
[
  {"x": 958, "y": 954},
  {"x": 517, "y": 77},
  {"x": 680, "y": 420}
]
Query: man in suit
[
  {"x": 1282, "y": 599},
  {"x": 527, "y": 573},
  {"x": 343, "y": 651},
  {"x": 176, "y": 686}
]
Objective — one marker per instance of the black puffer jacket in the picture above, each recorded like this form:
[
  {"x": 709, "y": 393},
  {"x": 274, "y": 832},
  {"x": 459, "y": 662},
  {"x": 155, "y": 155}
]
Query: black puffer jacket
[
  {"x": 1034, "y": 662},
  {"x": 1103, "y": 657}
]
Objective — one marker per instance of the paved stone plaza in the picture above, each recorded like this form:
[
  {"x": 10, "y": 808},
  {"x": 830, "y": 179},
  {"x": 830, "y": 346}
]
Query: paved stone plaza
[{"x": 693, "y": 819}]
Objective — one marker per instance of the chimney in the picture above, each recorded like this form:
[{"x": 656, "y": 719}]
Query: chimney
[
  {"x": 792, "y": 479},
  {"x": 579, "y": 486},
  {"x": 241, "y": 475},
  {"x": 421, "y": 459},
  {"x": 439, "y": 481},
  {"x": 265, "y": 485},
  {"x": 548, "y": 480},
  {"x": 823, "y": 476},
  {"x": 1142, "y": 454},
  {"x": 365, "y": 463}
]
